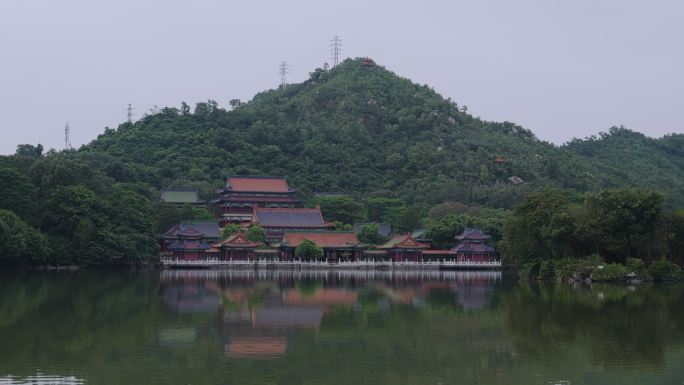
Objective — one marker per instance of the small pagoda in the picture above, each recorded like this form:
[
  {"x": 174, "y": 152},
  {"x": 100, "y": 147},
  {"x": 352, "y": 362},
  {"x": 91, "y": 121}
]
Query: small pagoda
[{"x": 473, "y": 247}]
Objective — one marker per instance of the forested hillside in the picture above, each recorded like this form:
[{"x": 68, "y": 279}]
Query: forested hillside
[
  {"x": 628, "y": 158},
  {"x": 406, "y": 156},
  {"x": 365, "y": 130}
]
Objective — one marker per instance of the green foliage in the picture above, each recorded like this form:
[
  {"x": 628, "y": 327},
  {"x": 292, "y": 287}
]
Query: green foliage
[
  {"x": 616, "y": 224},
  {"x": 674, "y": 223},
  {"x": 547, "y": 270},
  {"x": 20, "y": 244},
  {"x": 369, "y": 234},
  {"x": 256, "y": 233},
  {"x": 663, "y": 270},
  {"x": 541, "y": 227},
  {"x": 17, "y": 193},
  {"x": 340, "y": 226},
  {"x": 344, "y": 209},
  {"x": 442, "y": 232},
  {"x": 624, "y": 223},
  {"x": 529, "y": 270},
  {"x": 308, "y": 250},
  {"x": 566, "y": 269},
  {"x": 638, "y": 267},
  {"x": 611, "y": 272},
  {"x": 231, "y": 229}
]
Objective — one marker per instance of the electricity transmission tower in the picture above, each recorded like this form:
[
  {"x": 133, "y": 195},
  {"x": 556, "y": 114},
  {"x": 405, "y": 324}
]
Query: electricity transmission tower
[
  {"x": 67, "y": 137},
  {"x": 130, "y": 113},
  {"x": 284, "y": 70},
  {"x": 335, "y": 49}
]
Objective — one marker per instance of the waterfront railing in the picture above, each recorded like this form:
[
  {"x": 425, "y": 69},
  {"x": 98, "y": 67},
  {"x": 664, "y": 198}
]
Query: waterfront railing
[{"x": 173, "y": 262}]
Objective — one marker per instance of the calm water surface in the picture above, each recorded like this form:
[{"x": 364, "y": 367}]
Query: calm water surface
[{"x": 246, "y": 327}]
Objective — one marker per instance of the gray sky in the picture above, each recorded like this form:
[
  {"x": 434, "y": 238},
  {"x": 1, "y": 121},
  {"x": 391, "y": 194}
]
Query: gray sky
[{"x": 560, "y": 68}]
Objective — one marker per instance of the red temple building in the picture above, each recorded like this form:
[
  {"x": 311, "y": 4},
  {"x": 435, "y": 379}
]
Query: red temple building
[
  {"x": 473, "y": 247},
  {"x": 277, "y": 221},
  {"x": 336, "y": 245},
  {"x": 238, "y": 248},
  {"x": 191, "y": 240},
  {"x": 242, "y": 194},
  {"x": 403, "y": 248}
]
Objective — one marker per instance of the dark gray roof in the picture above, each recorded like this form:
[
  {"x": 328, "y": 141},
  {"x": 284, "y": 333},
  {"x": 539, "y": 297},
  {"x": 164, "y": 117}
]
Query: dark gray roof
[
  {"x": 290, "y": 217},
  {"x": 203, "y": 229}
]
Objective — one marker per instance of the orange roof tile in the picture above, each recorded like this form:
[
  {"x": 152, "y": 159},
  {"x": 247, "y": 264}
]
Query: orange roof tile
[
  {"x": 403, "y": 242},
  {"x": 257, "y": 184},
  {"x": 322, "y": 239},
  {"x": 239, "y": 240}
]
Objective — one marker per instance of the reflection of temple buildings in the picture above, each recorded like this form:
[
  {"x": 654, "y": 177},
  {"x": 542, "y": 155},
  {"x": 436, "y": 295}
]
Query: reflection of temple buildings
[{"x": 259, "y": 309}]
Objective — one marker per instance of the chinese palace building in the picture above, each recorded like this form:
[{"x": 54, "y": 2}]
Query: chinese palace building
[
  {"x": 473, "y": 247},
  {"x": 237, "y": 247},
  {"x": 277, "y": 221},
  {"x": 402, "y": 248},
  {"x": 343, "y": 246},
  {"x": 191, "y": 240},
  {"x": 242, "y": 194}
]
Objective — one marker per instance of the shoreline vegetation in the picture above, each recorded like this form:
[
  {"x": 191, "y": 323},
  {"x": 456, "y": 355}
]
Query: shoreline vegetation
[{"x": 387, "y": 150}]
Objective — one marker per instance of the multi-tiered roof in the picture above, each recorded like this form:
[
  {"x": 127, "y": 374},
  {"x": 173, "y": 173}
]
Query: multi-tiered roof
[{"x": 244, "y": 193}]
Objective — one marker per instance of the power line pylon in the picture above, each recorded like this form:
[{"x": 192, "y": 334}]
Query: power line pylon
[
  {"x": 335, "y": 49},
  {"x": 67, "y": 137},
  {"x": 284, "y": 70},
  {"x": 130, "y": 113}
]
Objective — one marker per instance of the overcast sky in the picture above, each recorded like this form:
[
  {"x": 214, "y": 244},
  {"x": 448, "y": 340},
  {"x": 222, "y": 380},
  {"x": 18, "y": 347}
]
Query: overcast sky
[{"x": 560, "y": 68}]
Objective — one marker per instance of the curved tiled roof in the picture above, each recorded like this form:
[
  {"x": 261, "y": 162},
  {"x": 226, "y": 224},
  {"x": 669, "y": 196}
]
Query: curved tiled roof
[
  {"x": 473, "y": 248},
  {"x": 289, "y": 217},
  {"x": 322, "y": 239},
  {"x": 188, "y": 245},
  {"x": 204, "y": 229},
  {"x": 475, "y": 234},
  {"x": 404, "y": 241},
  {"x": 239, "y": 240},
  {"x": 273, "y": 184}
]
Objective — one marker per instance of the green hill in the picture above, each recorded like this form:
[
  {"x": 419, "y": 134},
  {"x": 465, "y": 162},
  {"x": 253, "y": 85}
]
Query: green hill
[
  {"x": 366, "y": 130},
  {"x": 402, "y": 151},
  {"x": 355, "y": 129},
  {"x": 626, "y": 158}
]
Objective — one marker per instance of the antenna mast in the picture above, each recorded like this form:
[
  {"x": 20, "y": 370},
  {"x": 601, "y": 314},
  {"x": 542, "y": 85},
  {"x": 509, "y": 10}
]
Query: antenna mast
[{"x": 335, "y": 49}]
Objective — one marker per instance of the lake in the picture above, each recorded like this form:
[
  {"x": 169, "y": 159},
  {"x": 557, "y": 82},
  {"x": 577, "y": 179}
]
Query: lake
[{"x": 333, "y": 327}]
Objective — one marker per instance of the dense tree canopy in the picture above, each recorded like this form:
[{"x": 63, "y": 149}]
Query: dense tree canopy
[{"x": 615, "y": 224}]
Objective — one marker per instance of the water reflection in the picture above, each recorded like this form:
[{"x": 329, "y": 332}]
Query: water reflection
[
  {"x": 334, "y": 327},
  {"x": 260, "y": 308}
]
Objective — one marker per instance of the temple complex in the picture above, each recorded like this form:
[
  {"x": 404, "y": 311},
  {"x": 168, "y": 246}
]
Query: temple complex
[{"x": 269, "y": 202}]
